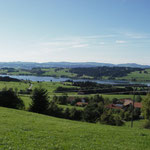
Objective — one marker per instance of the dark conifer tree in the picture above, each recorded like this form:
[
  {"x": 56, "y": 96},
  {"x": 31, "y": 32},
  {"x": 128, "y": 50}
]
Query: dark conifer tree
[{"x": 40, "y": 101}]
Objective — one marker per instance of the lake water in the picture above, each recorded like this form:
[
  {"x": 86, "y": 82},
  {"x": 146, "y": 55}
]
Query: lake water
[{"x": 53, "y": 79}]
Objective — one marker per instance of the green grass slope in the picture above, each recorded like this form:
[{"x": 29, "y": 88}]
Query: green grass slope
[
  {"x": 20, "y": 130},
  {"x": 138, "y": 76}
]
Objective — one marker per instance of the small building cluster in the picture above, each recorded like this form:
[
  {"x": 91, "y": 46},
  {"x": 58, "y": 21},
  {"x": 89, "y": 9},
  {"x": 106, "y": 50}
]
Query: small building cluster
[{"x": 124, "y": 103}]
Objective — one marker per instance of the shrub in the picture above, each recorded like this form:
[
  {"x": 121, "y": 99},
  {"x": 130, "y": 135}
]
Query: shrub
[
  {"x": 93, "y": 111},
  {"x": 117, "y": 120},
  {"x": 146, "y": 124},
  {"x": 62, "y": 99},
  {"x": 111, "y": 117},
  {"x": 97, "y": 98},
  {"x": 67, "y": 113},
  {"x": 146, "y": 107},
  {"x": 8, "y": 98},
  {"x": 54, "y": 110},
  {"x": 76, "y": 114},
  {"x": 138, "y": 98},
  {"x": 127, "y": 116}
]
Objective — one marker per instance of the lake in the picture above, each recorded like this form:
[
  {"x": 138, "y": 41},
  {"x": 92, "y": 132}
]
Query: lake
[{"x": 53, "y": 79}]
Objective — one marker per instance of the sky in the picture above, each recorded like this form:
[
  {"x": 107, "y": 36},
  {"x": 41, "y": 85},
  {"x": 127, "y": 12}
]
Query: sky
[{"x": 107, "y": 31}]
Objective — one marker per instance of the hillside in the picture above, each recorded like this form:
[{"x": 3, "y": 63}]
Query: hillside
[
  {"x": 30, "y": 65},
  {"x": 138, "y": 76},
  {"x": 123, "y": 73},
  {"x": 28, "y": 131}
]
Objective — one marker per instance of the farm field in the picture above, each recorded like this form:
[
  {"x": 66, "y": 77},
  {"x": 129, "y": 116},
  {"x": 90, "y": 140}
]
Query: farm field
[
  {"x": 24, "y": 130},
  {"x": 70, "y": 107},
  {"x": 119, "y": 96},
  {"x": 58, "y": 72},
  {"x": 50, "y": 86}
]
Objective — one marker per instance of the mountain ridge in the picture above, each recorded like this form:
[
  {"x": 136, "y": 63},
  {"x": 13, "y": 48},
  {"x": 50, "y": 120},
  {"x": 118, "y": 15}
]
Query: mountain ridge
[{"x": 30, "y": 65}]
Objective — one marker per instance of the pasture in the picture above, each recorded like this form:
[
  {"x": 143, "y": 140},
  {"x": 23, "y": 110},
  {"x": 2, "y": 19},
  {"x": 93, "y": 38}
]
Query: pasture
[{"x": 25, "y": 130}]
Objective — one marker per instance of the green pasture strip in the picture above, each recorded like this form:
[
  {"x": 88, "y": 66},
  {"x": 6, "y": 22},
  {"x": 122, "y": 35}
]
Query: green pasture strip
[
  {"x": 58, "y": 72},
  {"x": 21, "y": 73},
  {"x": 14, "y": 85},
  {"x": 27, "y": 100},
  {"x": 70, "y": 107},
  {"x": 119, "y": 96}
]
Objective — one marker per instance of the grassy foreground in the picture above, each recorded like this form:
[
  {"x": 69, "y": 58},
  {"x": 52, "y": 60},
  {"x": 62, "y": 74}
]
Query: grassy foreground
[{"x": 20, "y": 130}]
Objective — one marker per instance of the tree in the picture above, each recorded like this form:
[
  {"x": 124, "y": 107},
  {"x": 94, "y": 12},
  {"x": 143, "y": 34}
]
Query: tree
[
  {"x": 146, "y": 107},
  {"x": 67, "y": 113},
  {"x": 75, "y": 114},
  {"x": 111, "y": 117},
  {"x": 55, "y": 98},
  {"x": 114, "y": 100},
  {"x": 8, "y": 98},
  {"x": 54, "y": 110},
  {"x": 40, "y": 101},
  {"x": 62, "y": 99},
  {"x": 93, "y": 111},
  {"x": 146, "y": 111},
  {"x": 138, "y": 98},
  {"x": 97, "y": 98}
]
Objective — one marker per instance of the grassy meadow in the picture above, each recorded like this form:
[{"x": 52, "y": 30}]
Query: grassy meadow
[
  {"x": 58, "y": 72},
  {"x": 29, "y": 131}
]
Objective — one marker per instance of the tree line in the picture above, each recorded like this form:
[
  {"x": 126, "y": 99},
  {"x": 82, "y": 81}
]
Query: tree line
[
  {"x": 95, "y": 111},
  {"x": 99, "y": 72}
]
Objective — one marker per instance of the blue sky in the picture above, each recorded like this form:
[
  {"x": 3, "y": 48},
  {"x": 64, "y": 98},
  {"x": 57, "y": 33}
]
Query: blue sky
[{"x": 110, "y": 31}]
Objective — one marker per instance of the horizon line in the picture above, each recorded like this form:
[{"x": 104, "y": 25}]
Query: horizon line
[{"x": 73, "y": 62}]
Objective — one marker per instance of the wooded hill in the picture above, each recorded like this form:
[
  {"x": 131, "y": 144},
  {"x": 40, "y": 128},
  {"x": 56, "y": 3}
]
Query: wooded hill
[{"x": 110, "y": 73}]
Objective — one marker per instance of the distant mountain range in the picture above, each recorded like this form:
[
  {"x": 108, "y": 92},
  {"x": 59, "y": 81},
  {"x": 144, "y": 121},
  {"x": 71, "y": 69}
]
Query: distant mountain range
[{"x": 30, "y": 65}]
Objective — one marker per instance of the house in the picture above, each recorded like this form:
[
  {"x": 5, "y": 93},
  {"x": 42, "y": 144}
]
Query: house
[
  {"x": 128, "y": 102},
  {"x": 124, "y": 103},
  {"x": 81, "y": 104},
  {"x": 137, "y": 105},
  {"x": 115, "y": 106}
]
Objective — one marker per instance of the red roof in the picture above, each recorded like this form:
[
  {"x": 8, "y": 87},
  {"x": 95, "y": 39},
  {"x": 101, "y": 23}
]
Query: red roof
[
  {"x": 81, "y": 103},
  {"x": 126, "y": 103},
  {"x": 137, "y": 105},
  {"x": 113, "y": 106}
]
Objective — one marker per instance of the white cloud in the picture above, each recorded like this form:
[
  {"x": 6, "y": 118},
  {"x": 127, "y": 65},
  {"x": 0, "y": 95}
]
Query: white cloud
[
  {"x": 99, "y": 36},
  {"x": 120, "y": 42},
  {"x": 136, "y": 35},
  {"x": 101, "y": 43},
  {"x": 80, "y": 46},
  {"x": 58, "y": 43},
  {"x": 75, "y": 42},
  {"x": 66, "y": 43}
]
